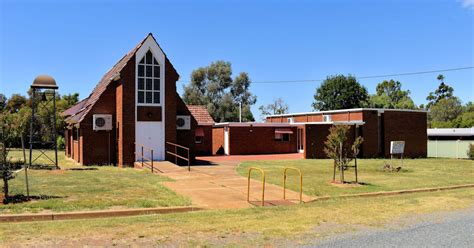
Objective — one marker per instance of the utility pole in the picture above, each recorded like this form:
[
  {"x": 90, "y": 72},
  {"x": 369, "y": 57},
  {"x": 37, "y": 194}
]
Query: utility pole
[{"x": 240, "y": 111}]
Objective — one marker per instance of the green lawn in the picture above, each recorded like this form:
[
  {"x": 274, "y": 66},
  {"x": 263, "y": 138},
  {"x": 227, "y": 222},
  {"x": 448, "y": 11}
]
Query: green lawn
[
  {"x": 63, "y": 162},
  {"x": 317, "y": 174},
  {"x": 100, "y": 188}
]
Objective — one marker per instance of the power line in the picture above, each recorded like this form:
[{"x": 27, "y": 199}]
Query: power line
[{"x": 362, "y": 77}]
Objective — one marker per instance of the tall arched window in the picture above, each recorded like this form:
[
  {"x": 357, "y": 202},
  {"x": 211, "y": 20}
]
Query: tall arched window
[{"x": 148, "y": 88}]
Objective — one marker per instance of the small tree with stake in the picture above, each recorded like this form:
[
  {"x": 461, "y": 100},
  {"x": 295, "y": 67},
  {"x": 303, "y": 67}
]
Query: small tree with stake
[
  {"x": 338, "y": 149},
  {"x": 5, "y": 170}
]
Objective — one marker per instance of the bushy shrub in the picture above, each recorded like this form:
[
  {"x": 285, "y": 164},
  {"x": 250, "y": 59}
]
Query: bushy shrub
[
  {"x": 470, "y": 152},
  {"x": 61, "y": 143}
]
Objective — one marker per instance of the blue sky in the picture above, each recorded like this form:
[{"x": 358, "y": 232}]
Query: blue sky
[{"x": 78, "y": 41}]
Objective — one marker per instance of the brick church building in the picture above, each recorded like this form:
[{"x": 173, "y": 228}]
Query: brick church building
[{"x": 135, "y": 103}]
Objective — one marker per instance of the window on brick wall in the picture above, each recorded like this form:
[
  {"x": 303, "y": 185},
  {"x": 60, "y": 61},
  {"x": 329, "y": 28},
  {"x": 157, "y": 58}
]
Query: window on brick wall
[
  {"x": 199, "y": 135},
  {"x": 282, "y": 136},
  {"x": 148, "y": 80},
  {"x": 75, "y": 134}
]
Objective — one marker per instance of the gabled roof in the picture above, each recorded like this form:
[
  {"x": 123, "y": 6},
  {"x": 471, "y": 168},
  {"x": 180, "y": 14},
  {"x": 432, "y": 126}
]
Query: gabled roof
[
  {"x": 74, "y": 109},
  {"x": 201, "y": 115},
  {"x": 77, "y": 112}
]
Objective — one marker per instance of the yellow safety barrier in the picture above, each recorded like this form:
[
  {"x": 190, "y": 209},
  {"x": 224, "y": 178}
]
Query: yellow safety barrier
[
  {"x": 301, "y": 182},
  {"x": 263, "y": 184}
]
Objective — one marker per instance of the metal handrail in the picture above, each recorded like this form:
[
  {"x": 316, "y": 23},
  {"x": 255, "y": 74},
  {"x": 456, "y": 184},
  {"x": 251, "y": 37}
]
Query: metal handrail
[
  {"x": 145, "y": 160},
  {"x": 176, "y": 155},
  {"x": 263, "y": 184},
  {"x": 284, "y": 182}
]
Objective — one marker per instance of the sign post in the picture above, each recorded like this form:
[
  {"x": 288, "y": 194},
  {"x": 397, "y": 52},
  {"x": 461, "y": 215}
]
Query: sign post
[{"x": 397, "y": 147}]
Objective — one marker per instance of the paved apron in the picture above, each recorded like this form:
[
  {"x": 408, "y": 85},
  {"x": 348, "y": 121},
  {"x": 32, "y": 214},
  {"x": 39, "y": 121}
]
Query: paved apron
[{"x": 221, "y": 187}]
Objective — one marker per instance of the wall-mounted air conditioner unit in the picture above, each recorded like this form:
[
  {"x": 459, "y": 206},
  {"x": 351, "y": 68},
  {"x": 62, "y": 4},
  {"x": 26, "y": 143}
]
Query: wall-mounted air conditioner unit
[
  {"x": 102, "y": 122},
  {"x": 291, "y": 120},
  {"x": 183, "y": 122},
  {"x": 327, "y": 118}
]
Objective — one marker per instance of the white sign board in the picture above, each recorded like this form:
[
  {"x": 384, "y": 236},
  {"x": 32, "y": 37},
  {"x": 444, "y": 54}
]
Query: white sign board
[{"x": 397, "y": 147}]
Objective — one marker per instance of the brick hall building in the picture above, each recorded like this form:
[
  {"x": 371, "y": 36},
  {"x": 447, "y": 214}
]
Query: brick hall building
[
  {"x": 135, "y": 103},
  {"x": 378, "y": 127},
  {"x": 306, "y": 133}
]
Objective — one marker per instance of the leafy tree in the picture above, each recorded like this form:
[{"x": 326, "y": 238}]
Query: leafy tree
[
  {"x": 15, "y": 103},
  {"x": 3, "y": 101},
  {"x": 389, "y": 94},
  {"x": 338, "y": 149},
  {"x": 444, "y": 112},
  {"x": 443, "y": 91},
  {"x": 214, "y": 87},
  {"x": 70, "y": 100},
  {"x": 466, "y": 118},
  {"x": 18, "y": 113},
  {"x": 340, "y": 92},
  {"x": 5, "y": 163},
  {"x": 278, "y": 107}
]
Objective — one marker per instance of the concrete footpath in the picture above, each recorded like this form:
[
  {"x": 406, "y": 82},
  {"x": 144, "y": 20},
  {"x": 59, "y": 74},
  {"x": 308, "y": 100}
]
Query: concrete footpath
[{"x": 218, "y": 186}]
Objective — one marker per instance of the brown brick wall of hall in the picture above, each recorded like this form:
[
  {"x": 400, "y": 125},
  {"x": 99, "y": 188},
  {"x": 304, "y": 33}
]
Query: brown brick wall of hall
[
  {"x": 205, "y": 148},
  {"x": 184, "y": 137},
  {"x": 259, "y": 140},
  {"x": 316, "y": 135},
  {"x": 408, "y": 126},
  {"x": 126, "y": 110},
  {"x": 369, "y": 131},
  {"x": 217, "y": 141},
  {"x": 98, "y": 147}
]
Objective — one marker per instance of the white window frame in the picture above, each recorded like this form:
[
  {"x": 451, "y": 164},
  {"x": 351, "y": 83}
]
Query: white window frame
[
  {"x": 327, "y": 118},
  {"x": 279, "y": 137},
  {"x": 160, "y": 78}
]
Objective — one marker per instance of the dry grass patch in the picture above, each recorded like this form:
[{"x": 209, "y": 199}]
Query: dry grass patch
[{"x": 245, "y": 227}]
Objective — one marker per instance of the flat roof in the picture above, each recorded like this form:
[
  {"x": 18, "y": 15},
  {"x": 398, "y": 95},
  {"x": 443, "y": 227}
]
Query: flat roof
[
  {"x": 274, "y": 124},
  {"x": 450, "y": 131},
  {"x": 253, "y": 124},
  {"x": 348, "y": 110}
]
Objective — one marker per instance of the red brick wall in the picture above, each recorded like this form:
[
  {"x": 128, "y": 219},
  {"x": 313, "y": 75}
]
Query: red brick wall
[
  {"x": 408, "y": 126},
  {"x": 170, "y": 105},
  {"x": 149, "y": 113},
  {"x": 317, "y": 117},
  {"x": 205, "y": 148},
  {"x": 316, "y": 135},
  {"x": 99, "y": 146},
  {"x": 356, "y": 116},
  {"x": 258, "y": 140},
  {"x": 217, "y": 140},
  {"x": 67, "y": 150},
  {"x": 127, "y": 104},
  {"x": 118, "y": 123},
  {"x": 75, "y": 155},
  {"x": 340, "y": 117},
  {"x": 369, "y": 148},
  {"x": 184, "y": 137}
]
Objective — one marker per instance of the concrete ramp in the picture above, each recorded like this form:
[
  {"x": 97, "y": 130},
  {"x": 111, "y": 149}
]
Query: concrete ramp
[{"x": 221, "y": 187}]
